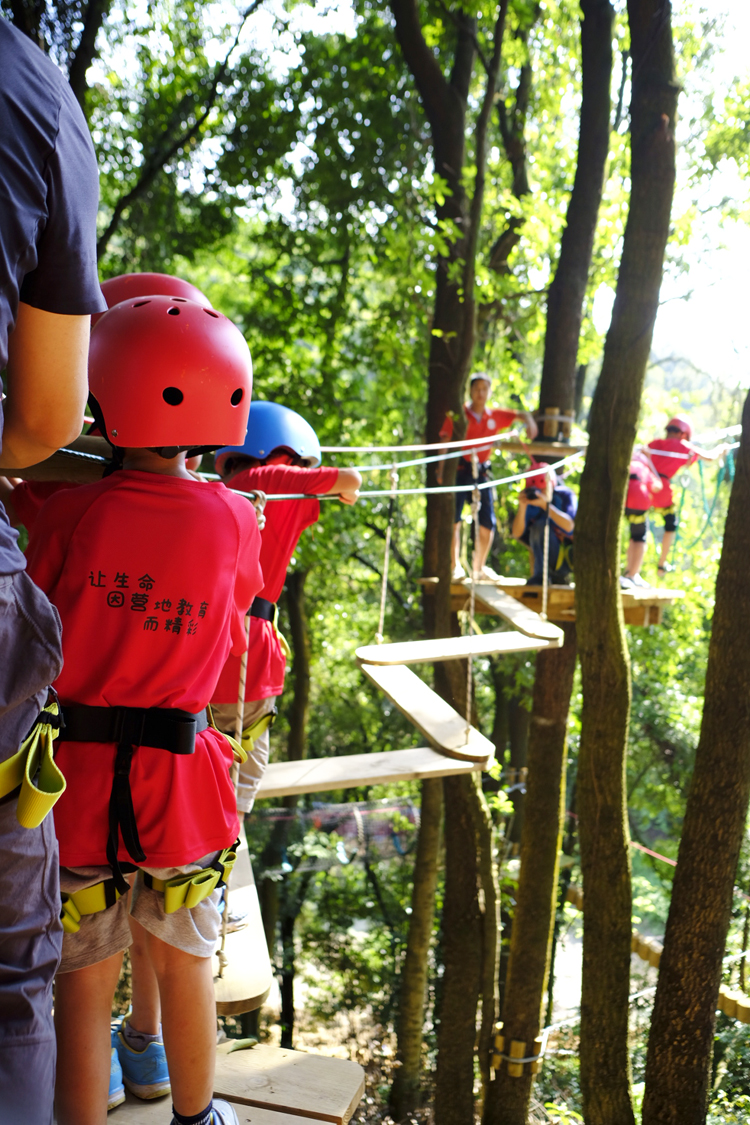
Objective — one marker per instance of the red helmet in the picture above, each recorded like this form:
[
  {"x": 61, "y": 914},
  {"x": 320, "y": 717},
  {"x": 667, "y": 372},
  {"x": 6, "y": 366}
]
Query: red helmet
[
  {"x": 128, "y": 285},
  {"x": 680, "y": 422},
  {"x": 168, "y": 372}
]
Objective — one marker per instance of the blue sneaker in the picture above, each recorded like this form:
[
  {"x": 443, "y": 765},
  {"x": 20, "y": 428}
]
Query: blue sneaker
[
  {"x": 145, "y": 1072},
  {"x": 116, "y": 1094}
]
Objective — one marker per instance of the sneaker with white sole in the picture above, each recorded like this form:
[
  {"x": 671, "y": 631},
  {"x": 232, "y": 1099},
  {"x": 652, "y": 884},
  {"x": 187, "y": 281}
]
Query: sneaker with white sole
[
  {"x": 116, "y": 1094},
  {"x": 223, "y": 1113},
  {"x": 145, "y": 1072},
  {"x": 458, "y": 573}
]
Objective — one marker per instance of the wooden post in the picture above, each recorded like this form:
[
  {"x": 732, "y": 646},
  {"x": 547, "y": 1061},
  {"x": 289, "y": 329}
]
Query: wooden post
[{"x": 517, "y": 1051}]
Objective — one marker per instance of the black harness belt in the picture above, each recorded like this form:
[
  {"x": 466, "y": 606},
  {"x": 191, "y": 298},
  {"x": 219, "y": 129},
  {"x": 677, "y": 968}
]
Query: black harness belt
[
  {"x": 264, "y": 609},
  {"x": 164, "y": 728}
]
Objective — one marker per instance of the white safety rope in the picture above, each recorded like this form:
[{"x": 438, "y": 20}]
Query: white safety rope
[
  {"x": 239, "y": 723},
  {"x": 475, "y": 499},
  {"x": 386, "y": 557},
  {"x": 545, "y": 574}
]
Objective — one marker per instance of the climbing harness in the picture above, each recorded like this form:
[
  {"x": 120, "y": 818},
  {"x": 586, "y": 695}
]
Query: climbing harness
[
  {"x": 129, "y": 727},
  {"x": 33, "y": 768},
  {"x": 182, "y": 890},
  {"x": 188, "y": 890},
  {"x": 387, "y": 555}
]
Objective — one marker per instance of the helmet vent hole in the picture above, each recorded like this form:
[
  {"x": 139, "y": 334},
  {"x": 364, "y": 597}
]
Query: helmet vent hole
[
  {"x": 212, "y": 313},
  {"x": 173, "y": 312},
  {"x": 182, "y": 299},
  {"x": 173, "y": 396},
  {"x": 237, "y": 396},
  {"x": 138, "y": 304}
]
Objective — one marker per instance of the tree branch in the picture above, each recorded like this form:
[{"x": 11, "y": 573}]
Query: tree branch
[
  {"x": 157, "y": 161},
  {"x": 434, "y": 90},
  {"x": 85, "y": 52}
]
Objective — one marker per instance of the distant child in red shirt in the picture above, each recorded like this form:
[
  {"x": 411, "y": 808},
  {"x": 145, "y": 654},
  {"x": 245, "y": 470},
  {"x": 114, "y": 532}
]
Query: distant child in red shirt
[
  {"x": 151, "y": 572},
  {"x": 281, "y": 454},
  {"x": 487, "y": 423},
  {"x": 659, "y": 461}
]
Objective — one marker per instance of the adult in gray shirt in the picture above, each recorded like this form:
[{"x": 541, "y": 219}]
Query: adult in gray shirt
[{"x": 48, "y": 287}]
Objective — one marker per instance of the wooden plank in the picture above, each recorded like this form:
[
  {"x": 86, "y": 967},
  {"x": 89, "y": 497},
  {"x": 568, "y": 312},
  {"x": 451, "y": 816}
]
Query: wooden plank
[
  {"x": 248, "y": 976},
  {"x": 451, "y": 648},
  {"x": 533, "y": 448},
  {"x": 641, "y": 605},
  {"x": 350, "y": 771},
  {"x": 133, "y": 1111},
  {"x": 518, "y": 615},
  {"x": 312, "y": 1086},
  {"x": 431, "y": 715}
]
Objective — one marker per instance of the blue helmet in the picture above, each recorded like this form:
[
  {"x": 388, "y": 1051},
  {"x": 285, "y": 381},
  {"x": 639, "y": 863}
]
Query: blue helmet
[{"x": 272, "y": 427}]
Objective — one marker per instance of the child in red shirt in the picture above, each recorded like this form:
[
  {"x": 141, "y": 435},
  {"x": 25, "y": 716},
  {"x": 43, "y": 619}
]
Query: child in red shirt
[
  {"x": 281, "y": 454},
  {"x": 665, "y": 457},
  {"x": 151, "y": 572},
  {"x": 487, "y": 423}
]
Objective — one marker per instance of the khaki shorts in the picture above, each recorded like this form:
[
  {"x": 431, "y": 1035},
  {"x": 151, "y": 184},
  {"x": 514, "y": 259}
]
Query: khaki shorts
[
  {"x": 251, "y": 771},
  {"x": 101, "y": 935}
]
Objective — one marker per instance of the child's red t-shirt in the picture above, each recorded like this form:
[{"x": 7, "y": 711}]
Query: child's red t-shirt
[
  {"x": 29, "y": 497},
  {"x": 285, "y": 522},
  {"x": 642, "y": 485},
  {"x": 152, "y": 576},
  {"x": 492, "y": 422},
  {"x": 667, "y": 467}
]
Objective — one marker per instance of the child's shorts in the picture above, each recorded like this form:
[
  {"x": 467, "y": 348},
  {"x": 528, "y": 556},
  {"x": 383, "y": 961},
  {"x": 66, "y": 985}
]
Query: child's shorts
[{"x": 101, "y": 935}]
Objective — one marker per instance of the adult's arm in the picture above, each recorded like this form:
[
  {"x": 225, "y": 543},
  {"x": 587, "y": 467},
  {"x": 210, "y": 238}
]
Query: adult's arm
[{"x": 47, "y": 385}]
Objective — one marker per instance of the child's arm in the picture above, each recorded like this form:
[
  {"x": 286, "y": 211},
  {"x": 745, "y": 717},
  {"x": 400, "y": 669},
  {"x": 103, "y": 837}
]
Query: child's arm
[
  {"x": 519, "y": 520},
  {"x": 346, "y": 486},
  {"x": 6, "y": 499},
  {"x": 528, "y": 420},
  {"x": 710, "y": 454}
]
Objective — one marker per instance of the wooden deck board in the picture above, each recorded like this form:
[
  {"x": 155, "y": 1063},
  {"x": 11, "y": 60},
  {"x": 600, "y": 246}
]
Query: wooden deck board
[
  {"x": 274, "y": 1078},
  {"x": 248, "y": 976},
  {"x": 133, "y": 1111},
  {"x": 431, "y": 715},
  {"x": 350, "y": 771},
  {"x": 455, "y": 648}
]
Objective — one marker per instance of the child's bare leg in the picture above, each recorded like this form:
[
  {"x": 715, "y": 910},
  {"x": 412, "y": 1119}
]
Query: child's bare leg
[
  {"x": 456, "y": 545},
  {"x": 188, "y": 1010},
  {"x": 636, "y": 553},
  {"x": 83, "y": 1011},
  {"x": 146, "y": 1014},
  {"x": 666, "y": 547},
  {"x": 486, "y": 535}
]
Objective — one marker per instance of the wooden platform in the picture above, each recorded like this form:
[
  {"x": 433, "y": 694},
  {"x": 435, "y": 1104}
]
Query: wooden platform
[
  {"x": 454, "y": 648},
  {"x": 350, "y": 771},
  {"x": 269, "y": 1086},
  {"x": 641, "y": 606},
  {"x": 248, "y": 976},
  {"x": 431, "y": 715}
]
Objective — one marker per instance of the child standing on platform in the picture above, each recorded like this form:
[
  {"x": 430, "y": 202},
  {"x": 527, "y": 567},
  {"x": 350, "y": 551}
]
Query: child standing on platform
[
  {"x": 281, "y": 454},
  {"x": 487, "y": 423},
  {"x": 151, "y": 572},
  {"x": 668, "y": 456}
]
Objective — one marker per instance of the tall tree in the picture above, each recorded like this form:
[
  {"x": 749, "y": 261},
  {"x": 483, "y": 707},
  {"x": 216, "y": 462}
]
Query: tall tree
[
  {"x": 605, "y": 860},
  {"x": 568, "y": 288},
  {"x": 680, "y": 1049},
  {"x": 533, "y": 918},
  {"x": 446, "y": 105}
]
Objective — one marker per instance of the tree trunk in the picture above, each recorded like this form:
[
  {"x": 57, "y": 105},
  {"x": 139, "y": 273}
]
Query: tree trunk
[
  {"x": 568, "y": 288},
  {"x": 605, "y": 860},
  {"x": 95, "y": 14},
  {"x": 405, "y": 1092},
  {"x": 519, "y": 723},
  {"x": 463, "y": 938},
  {"x": 682, "y": 1027},
  {"x": 534, "y": 915}
]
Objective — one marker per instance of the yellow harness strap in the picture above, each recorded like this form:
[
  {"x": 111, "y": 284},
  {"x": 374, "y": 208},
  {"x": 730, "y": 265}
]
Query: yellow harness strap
[
  {"x": 564, "y": 554},
  {"x": 255, "y": 730},
  {"x": 189, "y": 890},
  {"x": 281, "y": 638},
  {"x": 90, "y": 901},
  {"x": 35, "y": 757}
]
